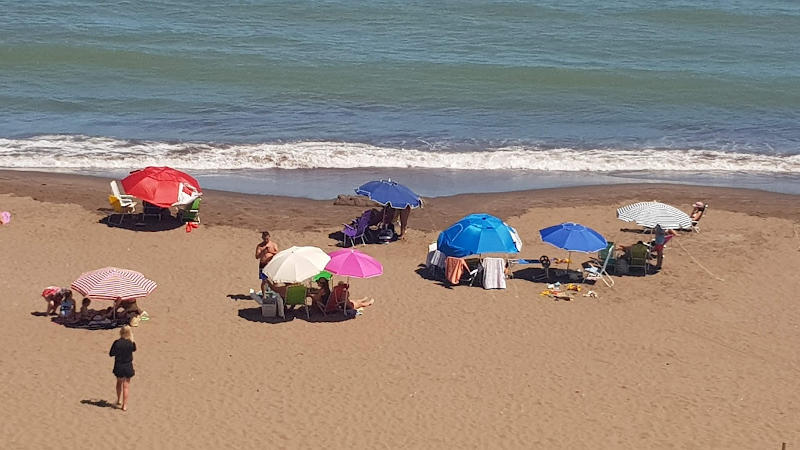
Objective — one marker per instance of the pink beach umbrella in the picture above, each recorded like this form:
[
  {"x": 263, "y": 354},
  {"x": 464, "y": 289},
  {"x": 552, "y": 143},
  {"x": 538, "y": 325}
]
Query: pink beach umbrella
[
  {"x": 111, "y": 283},
  {"x": 350, "y": 262}
]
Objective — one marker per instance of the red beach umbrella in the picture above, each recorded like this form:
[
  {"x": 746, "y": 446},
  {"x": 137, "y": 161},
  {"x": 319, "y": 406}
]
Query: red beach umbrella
[
  {"x": 112, "y": 283},
  {"x": 158, "y": 185}
]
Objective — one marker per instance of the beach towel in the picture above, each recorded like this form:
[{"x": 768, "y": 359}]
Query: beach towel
[
  {"x": 435, "y": 262},
  {"x": 454, "y": 268},
  {"x": 494, "y": 273}
]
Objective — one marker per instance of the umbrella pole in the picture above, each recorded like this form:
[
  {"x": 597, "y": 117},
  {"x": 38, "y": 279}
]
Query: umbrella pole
[{"x": 344, "y": 306}]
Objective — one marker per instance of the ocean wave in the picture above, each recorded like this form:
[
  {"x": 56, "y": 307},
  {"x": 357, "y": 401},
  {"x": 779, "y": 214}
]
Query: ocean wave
[{"x": 76, "y": 152}]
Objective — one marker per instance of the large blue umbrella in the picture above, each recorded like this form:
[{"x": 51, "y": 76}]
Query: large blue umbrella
[
  {"x": 391, "y": 193},
  {"x": 573, "y": 237},
  {"x": 477, "y": 234}
]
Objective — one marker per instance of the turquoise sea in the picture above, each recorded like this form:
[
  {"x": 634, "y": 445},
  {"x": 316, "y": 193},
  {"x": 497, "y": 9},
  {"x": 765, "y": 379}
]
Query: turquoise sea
[{"x": 513, "y": 94}]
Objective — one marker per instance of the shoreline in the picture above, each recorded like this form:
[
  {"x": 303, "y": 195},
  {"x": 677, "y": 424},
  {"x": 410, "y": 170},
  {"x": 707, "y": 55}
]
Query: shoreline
[{"x": 252, "y": 210}]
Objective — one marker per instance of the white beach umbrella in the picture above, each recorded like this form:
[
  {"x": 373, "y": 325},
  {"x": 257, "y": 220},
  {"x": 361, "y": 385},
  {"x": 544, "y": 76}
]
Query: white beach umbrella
[
  {"x": 650, "y": 214},
  {"x": 296, "y": 264}
]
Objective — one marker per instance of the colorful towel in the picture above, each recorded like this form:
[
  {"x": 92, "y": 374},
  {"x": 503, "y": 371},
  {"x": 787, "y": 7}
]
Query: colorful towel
[{"x": 454, "y": 268}]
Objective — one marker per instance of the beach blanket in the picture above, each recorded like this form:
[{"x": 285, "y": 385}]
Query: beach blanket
[
  {"x": 494, "y": 273},
  {"x": 454, "y": 268}
]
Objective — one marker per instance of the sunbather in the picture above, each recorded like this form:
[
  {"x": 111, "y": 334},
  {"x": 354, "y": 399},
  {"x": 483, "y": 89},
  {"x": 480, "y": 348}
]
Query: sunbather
[{"x": 697, "y": 212}]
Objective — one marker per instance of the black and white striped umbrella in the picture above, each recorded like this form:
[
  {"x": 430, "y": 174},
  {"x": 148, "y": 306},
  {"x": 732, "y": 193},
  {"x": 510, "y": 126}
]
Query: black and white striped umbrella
[
  {"x": 111, "y": 283},
  {"x": 650, "y": 214}
]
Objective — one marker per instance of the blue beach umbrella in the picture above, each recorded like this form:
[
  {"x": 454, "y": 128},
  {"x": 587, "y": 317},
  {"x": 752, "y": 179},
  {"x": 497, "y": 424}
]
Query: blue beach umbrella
[
  {"x": 391, "y": 193},
  {"x": 476, "y": 234},
  {"x": 573, "y": 237}
]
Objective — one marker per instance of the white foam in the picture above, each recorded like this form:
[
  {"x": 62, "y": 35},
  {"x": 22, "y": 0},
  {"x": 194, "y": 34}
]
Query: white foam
[{"x": 81, "y": 152}]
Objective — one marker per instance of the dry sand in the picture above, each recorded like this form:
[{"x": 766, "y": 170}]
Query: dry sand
[{"x": 704, "y": 354}]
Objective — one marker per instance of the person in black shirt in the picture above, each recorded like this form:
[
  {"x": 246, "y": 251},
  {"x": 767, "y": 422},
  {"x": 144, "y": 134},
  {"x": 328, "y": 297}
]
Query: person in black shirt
[{"x": 122, "y": 350}]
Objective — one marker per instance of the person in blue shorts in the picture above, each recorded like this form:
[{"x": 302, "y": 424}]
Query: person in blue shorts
[{"x": 265, "y": 251}]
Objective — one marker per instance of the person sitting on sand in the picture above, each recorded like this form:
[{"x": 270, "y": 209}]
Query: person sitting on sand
[
  {"x": 697, "y": 212},
  {"x": 85, "y": 313},
  {"x": 126, "y": 310},
  {"x": 68, "y": 312}
]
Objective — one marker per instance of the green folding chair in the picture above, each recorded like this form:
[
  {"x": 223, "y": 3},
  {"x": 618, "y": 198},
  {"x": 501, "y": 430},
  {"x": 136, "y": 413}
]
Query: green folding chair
[
  {"x": 607, "y": 254},
  {"x": 192, "y": 214},
  {"x": 296, "y": 296},
  {"x": 640, "y": 254}
]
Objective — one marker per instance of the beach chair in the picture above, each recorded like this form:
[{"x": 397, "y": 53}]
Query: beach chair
[
  {"x": 117, "y": 191},
  {"x": 191, "y": 212},
  {"x": 494, "y": 273},
  {"x": 120, "y": 209},
  {"x": 475, "y": 274},
  {"x": 296, "y": 296},
  {"x": 151, "y": 210},
  {"x": 435, "y": 262},
  {"x": 356, "y": 230},
  {"x": 335, "y": 300},
  {"x": 594, "y": 273},
  {"x": 640, "y": 254}
]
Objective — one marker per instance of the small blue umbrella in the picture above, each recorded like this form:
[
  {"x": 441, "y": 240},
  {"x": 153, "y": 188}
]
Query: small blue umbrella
[
  {"x": 476, "y": 234},
  {"x": 573, "y": 237},
  {"x": 391, "y": 193}
]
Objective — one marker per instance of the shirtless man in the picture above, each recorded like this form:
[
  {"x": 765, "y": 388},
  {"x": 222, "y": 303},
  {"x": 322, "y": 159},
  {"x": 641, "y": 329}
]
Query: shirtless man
[{"x": 265, "y": 250}]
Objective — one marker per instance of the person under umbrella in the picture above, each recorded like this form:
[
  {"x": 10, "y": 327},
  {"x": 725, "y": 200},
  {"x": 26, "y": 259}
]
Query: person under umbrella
[{"x": 396, "y": 198}]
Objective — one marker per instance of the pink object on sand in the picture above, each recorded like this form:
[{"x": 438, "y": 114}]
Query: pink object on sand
[
  {"x": 5, "y": 217},
  {"x": 352, "y": 263}
]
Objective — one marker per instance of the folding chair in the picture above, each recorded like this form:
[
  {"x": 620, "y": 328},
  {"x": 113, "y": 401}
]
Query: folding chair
[
  {"x": 595, "y": 273},
  {"x": 296, "y": 296}
]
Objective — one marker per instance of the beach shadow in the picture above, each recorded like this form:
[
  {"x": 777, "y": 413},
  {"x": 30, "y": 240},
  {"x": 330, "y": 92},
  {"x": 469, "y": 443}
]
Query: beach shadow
[
  {"x": 99, "y": 403},
  {"x": 134, "y": 222},
  {"x": 338, "y": 236},
  {"x": 239, "y": 296},
  {"x": 39, "y": 314},
  {"x": 315, "y": 316},
  {"x": 538, "y": 275},
  {"x": 634, "y": 230}
]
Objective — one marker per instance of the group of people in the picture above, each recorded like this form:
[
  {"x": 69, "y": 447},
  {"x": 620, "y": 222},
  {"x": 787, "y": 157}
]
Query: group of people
[
  {"x": 267, "y": 249},
  {"x": 60, "y": 302},
  {"x": 661, "y": 237}
]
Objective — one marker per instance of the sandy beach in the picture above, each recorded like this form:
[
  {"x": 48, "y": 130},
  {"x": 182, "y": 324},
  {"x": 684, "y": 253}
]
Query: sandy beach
[{"x": 704, "y": 354}]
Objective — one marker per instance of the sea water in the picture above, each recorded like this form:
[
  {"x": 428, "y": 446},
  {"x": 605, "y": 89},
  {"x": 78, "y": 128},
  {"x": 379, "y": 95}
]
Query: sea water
[{"x": 311, "y": 98}]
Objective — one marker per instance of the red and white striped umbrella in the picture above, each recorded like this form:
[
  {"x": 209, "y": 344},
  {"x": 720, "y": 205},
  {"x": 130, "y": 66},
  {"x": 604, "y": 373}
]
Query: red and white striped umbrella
[{"x": 112, "y": 283}]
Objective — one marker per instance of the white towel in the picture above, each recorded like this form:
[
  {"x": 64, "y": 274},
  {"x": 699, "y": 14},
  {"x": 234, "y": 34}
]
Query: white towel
[
  {"x": 435, "y": 258},
  {"x": 494, "y": 273}
]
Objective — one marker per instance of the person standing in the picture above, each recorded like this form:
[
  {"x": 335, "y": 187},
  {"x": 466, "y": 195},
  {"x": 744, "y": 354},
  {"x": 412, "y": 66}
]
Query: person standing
[
  {"x": 265, "y": 251},
  {"x": 122, "y": 350}
]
